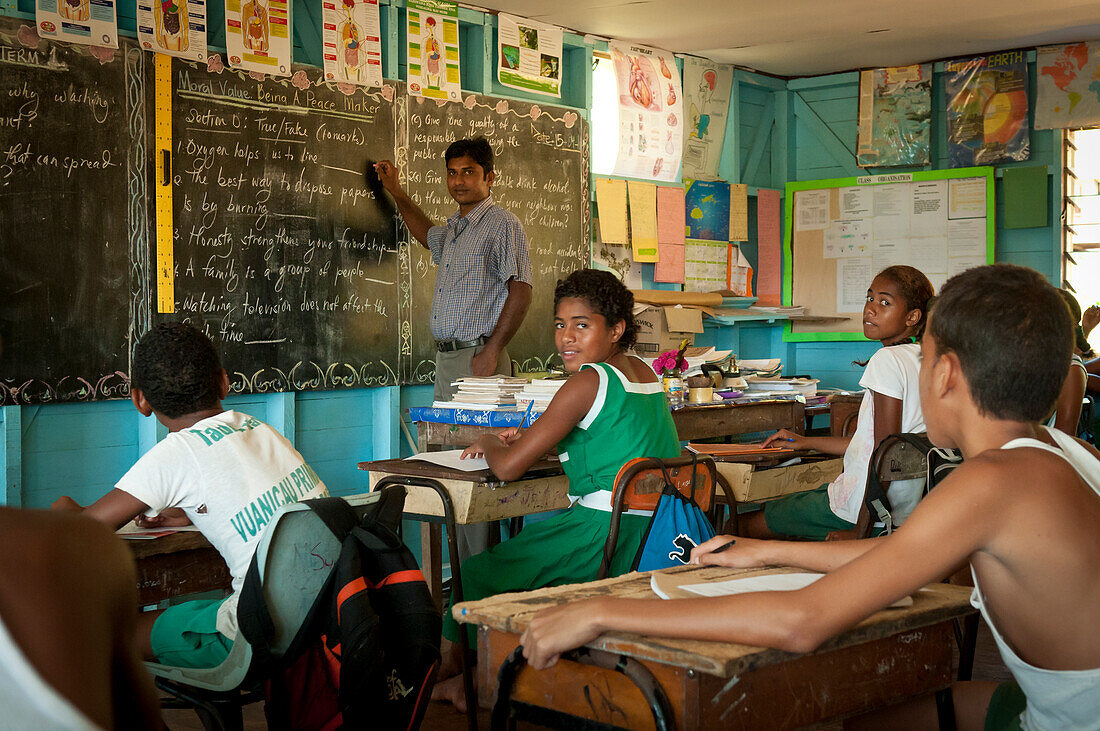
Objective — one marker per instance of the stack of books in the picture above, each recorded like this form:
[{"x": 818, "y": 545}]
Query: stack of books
[
  {"x": 490, "y": 394},
  {"x": 537, "y": 394},
  {"x": 787, "y": 311}
]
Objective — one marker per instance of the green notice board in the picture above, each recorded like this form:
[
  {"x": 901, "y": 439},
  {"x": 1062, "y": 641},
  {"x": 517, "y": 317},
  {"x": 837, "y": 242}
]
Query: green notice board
[{"x": 840, "y": 232}]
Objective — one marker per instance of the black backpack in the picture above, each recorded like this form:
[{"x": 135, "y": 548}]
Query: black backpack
[
  {"x": 368, "y": 652},
  {"x": 940, "y": 462}
]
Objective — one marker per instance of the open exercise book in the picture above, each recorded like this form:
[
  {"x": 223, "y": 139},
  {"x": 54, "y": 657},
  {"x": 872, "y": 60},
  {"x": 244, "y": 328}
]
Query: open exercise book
[
  {"x": 131, "y": 532},
  {"x": 683, "y": 585}
]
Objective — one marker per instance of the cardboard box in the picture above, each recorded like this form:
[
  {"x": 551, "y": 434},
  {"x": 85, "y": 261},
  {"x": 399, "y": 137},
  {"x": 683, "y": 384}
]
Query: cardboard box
[
  {"x": 750, "y": 486},
  {"x": 662, "y": 328}
]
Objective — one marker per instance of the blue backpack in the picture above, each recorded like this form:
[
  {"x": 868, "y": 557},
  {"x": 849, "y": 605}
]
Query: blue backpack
[{"x": 677, "y": 526}]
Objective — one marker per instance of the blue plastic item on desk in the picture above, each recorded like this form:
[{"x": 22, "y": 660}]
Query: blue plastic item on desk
[{"x": 472, "y": 416}]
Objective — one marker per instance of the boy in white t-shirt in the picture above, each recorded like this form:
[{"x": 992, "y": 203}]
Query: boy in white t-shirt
[{"x": 222, "y": 471}]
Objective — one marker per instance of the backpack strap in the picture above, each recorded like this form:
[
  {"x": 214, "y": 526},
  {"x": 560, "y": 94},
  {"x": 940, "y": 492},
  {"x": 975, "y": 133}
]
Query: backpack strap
[{"x": 874, "y": 496}]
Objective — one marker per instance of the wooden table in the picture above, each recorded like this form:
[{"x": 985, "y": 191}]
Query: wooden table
[
  {"x": 692, "y": 423},
  {"x": 893, "y": 655},
  {"x": 177, "y": 564},
  {"x": 842, "y": 410}
]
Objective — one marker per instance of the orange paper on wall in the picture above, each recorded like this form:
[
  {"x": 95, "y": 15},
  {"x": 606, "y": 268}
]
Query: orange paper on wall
[
  {"x": 670, "y": 218},
  {"x": 769, "y": 257},
  {"x": 670, "y": 267}
]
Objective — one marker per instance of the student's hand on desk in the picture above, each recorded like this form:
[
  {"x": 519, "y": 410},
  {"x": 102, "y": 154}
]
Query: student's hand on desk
[
  {"x": 66, "y": 503},
  {"x": 477, "y": 449},
  {"x": 168, "y": 518},
  {"x": 554, "y": 631},
  {"x": 731, "y": 551},
  {"x": 787, "y": 439}
]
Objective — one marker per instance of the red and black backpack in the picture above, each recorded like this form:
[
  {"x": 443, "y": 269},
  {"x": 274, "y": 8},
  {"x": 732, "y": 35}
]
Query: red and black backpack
[{"x": 368, "y": 652}]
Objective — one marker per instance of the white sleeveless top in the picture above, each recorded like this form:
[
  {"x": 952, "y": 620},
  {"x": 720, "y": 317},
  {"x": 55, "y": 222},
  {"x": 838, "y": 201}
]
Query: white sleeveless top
[
  {"x": 29, "y": 702},
  {"x": 1056, "y": 699}
]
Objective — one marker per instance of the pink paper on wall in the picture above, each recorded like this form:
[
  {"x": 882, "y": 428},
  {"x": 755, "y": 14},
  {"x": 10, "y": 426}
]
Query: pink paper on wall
[
  {"x": 670, "y": 265},
  {"x": 670, "y": 220},
  {"x": 768, "y": 260}
]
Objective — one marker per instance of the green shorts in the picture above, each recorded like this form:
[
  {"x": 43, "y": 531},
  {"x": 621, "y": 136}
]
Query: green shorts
[
  {"x": 804, "y": 515},
  {"x": 186, "y": 635},
  {"x": 1005, "y": 707}
]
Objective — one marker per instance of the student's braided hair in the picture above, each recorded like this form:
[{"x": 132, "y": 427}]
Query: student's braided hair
[{"x": 605, "y": 294}]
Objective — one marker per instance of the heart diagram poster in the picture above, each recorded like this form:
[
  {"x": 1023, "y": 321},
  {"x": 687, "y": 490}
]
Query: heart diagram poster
[{"x": 651, "y": 115}]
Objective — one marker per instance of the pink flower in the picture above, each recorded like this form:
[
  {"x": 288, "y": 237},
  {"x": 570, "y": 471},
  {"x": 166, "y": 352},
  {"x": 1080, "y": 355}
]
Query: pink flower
[
  {"x": 666, "y": 362},
  {"x": 469, "y": 101},
  {"x": 257, "y": 75},
  {"x": 348, "y": 89},
  {"x": 502, "y": 107},
  {"x": 570, "y": 119},
  {"x": 535, "y": 112},
  {"x": 387, "y": 92},
  {"x": 28, "y": 36},
  {"x": 299, "y": 80},
  {"x": 214, "y": 63},
  {"x": 105, "y": 55}
]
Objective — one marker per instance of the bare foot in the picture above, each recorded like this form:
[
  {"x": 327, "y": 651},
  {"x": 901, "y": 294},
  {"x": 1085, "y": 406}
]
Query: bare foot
[{"x": 451, "y": 691}]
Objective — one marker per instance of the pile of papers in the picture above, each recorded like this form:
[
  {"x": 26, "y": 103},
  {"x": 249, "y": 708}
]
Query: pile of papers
[
  {"x": 536, "y": 395},
  {"x": 788, "y": 311},
  {"x": 697, "y": 356},
  {"x": 489, "y": 394},
  {"x": 805, "y": 386}
]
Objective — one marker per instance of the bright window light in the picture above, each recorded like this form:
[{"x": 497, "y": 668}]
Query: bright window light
[
  {"x": 1082, "y": 229},
  {"x": 605, "y": 117}
]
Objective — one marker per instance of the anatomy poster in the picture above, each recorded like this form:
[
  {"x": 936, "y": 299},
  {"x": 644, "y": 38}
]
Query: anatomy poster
[
  {"x": 89, "y": 22},
  {"x": 651, "y": 114},
  {"x": 433, "y": 50},
  {"x": 895, "y": 115},
  {"x": 987, "y": 109},
  {"x": 352, "y": 41},
  {"x": 257, "y": 35},
  {"x": 173, "y": 27},
  {"x": 529, "y": 55},
  {"x": 707, "y": 89}
]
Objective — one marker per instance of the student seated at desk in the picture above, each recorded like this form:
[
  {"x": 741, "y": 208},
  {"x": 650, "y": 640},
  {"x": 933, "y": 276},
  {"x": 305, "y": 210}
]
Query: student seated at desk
[
  {"x": 1067, "y": 410},
  {"x": 611, "y": 410},
  {"x": 223, "y": 471},
  {"x": 68, "y": 605},
  {"x": 894, "y": 314},
  {"x": 1033, "y": 552}
]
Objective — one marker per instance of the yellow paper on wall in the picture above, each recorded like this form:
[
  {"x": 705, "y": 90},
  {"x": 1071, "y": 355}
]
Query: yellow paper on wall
[
  {"x": 643, "y": 220},
  {"x": 739, "y": 212},
  {"x": 611, "y": 204}
]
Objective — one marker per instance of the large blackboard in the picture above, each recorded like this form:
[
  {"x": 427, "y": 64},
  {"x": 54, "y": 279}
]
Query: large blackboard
[
  {"x": 71, "y": 216},
  {"x": 541, "y": 161},
  {"x": 295, "y": 265},
  {"x": 283, "y": 252}
]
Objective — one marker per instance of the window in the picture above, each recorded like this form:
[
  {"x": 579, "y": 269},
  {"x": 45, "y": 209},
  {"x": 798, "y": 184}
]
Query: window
[
  {"x": 605, "y": 115},
  {"x": 1081, "y": 232}
]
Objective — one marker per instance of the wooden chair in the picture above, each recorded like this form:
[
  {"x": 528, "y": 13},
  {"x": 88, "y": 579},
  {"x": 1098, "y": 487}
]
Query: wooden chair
[
  {"x": 892, "y": 460},
  {"x": 639, "y": 484}
]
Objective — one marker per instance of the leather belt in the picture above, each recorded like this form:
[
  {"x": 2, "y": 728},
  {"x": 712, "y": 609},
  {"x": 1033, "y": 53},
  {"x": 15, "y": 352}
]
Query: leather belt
[{"x": 446, "y": 346}]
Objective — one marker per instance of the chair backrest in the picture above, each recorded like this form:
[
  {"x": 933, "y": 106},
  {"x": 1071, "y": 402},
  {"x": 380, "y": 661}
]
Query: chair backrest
[{"x": 640, "y": 482}]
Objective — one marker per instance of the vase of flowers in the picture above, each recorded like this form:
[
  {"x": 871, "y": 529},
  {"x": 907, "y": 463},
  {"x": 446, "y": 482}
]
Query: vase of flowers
[{"x": 671, "y": 365}]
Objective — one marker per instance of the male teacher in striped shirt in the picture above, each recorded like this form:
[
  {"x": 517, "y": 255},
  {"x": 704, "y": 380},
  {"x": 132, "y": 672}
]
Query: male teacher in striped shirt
[{"x": 483, "y": 284}]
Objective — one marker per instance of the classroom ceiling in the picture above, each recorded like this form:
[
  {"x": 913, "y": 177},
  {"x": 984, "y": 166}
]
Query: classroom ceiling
[{"x": 810, "y": 37}]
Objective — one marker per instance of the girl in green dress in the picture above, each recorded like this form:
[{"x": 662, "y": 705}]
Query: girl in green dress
[{"x": 611, "y": 410}]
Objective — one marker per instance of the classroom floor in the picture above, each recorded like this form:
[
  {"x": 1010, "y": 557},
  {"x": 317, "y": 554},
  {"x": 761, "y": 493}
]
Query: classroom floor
[{"x": 440, "y": 717}]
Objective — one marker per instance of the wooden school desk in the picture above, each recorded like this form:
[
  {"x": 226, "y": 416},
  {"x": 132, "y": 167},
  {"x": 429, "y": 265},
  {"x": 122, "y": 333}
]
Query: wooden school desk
[
  {"x": 893, "y": 655},
  {"x": 454, "y": 497},
  {"x": 692, "y": 423},
  {"x": 177, "y": 564}
]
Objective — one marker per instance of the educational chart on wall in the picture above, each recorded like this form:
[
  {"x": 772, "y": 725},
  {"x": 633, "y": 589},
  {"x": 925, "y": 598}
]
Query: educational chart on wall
[
  {"x": 432, "y": 34},
  {"x": 707, "y": 209},
  {"x": 173, "y": 27},
  {"x": 257, "y": 35},
  {"x": 352, "y": 41},
  {"x": 650, "y": 112},
  {"x": 895, "y": 116},
  {"x": 541, "y": 170},
  {"x": 89, "y": 22},
  {"x": 707, "y": 88},
  {"x": 987, "y": 109},
  {"x": 529, "y": 55},
  {"x": 284, "y": 254},
  {"x": 1068, "y": 94},
  {"x": 68, "y": 299},
  {"x": 841, "y": 232}
]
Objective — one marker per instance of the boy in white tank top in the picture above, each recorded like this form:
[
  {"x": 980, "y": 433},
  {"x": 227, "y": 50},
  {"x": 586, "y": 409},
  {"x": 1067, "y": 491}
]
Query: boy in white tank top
[{"x": 1023, "y": 509}]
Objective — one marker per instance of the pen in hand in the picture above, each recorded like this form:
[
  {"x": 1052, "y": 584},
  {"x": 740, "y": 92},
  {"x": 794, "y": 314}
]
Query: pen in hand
[{"x": 724, "y": 546}]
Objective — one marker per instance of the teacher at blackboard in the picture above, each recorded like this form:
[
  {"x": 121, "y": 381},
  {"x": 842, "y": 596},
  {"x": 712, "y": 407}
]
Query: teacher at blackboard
[{"x": 483, "y": 284}]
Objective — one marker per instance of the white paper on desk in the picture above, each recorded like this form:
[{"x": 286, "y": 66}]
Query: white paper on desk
[
  {"x": 452, "y": 458},
  {"x": 760, "y": 582},
  {"x": 132, "y": 532}
]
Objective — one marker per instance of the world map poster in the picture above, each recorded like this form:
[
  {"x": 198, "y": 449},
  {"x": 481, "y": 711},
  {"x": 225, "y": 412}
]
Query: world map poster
[{"x": 1068, "y": 86}]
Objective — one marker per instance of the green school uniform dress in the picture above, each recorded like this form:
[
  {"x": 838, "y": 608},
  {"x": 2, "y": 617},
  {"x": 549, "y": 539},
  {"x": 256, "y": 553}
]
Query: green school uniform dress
[{"x": 627, "y": 420}]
